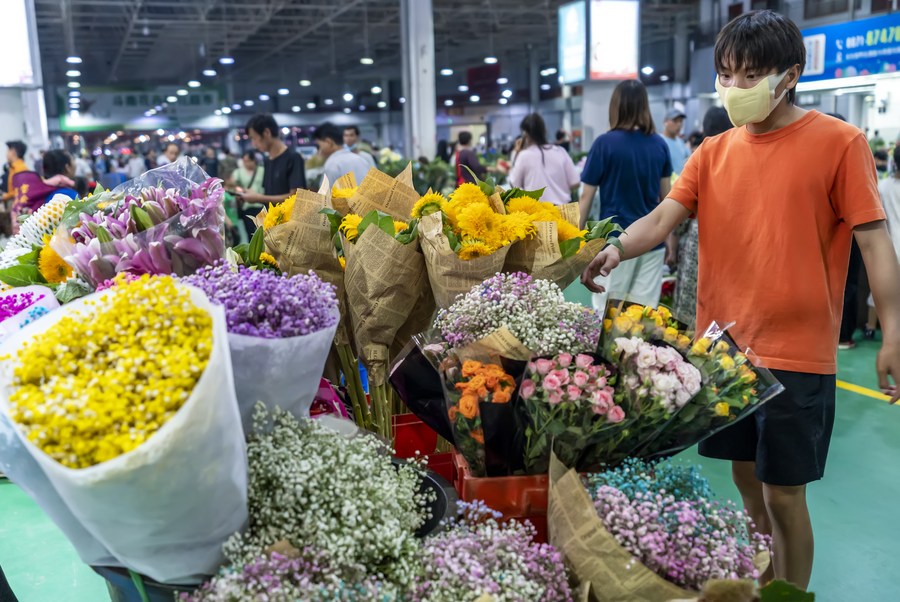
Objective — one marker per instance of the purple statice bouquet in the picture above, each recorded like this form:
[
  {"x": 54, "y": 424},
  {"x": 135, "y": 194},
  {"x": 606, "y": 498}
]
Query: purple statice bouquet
[
  {"x": 278, "y": 578},
  {"x": 479, "y": 558},
  {"x": 266, "y": 304},
  {"x": 159, "y": 231},
  {"x": 534, "y": 311},
  {"x": 662, "y": 514}
]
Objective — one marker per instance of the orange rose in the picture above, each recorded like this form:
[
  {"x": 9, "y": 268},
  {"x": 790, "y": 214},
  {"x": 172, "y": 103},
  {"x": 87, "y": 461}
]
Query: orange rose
[
  {"x": 468, "y": 406},
  {"x": 500, "y": 397},
  {"x": 454, "y": 411},
  {"x": 470, "y": 367},
  {"x": 478, "y": 435}
]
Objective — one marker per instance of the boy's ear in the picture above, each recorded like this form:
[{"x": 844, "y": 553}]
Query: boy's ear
[{"x": 793, "y": 76}]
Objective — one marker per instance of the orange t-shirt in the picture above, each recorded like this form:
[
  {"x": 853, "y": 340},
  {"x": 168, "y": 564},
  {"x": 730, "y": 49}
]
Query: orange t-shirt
[{"x": 775, "y": 214}]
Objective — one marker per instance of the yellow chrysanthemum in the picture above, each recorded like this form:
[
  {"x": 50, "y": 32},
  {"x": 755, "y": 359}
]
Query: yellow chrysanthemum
[
  {"x": 280, "y": 213},
  {"x": 268, "y": 259},
  {"x": 478, "y": 221},
  {"x": 350, "y": 226},
  {"x": 470, "y": 249},
  {"x": 516, "y": 225},
  {"x": 400, "y": 226},
  {"x": 343, "y": 193},
  {"x": 463, "y": 197},
  {"x": 428, "y": 204},
  {"x": 531, "y": 206},
  {"x": 51, "y": 266}
]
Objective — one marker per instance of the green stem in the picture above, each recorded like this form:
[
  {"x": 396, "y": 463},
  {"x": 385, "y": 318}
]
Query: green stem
[{"x": 138, "y": 582}]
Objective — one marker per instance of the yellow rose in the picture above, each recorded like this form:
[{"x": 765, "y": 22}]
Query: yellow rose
[
  {"x": 701, "y": 347},
  {"x": 722, "y": 409},
  {"x": 607, "y": 325},
  {"x": 726, "y": 362},
  {"x": 613, "y": 312},
  {"x": 670, "y": 335},
  {"x": 623, "y": 323},
  {"x": 635, "y": 312},
  {"x": 664, "y": 313},
  {"x": 722, "y": 347},
  {"x": 682, "y": 341},
  {"x": 638, "y": 330}
]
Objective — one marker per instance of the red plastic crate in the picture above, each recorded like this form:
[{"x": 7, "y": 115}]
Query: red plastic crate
[
  {"x": 442, "y": 464},
  {"x": 411, "y": 435},
  {"x": 517, "y": 498}
]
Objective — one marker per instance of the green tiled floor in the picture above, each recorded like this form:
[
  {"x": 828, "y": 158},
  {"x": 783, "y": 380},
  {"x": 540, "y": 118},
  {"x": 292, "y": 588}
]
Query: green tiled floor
[{"x": 854, "y": 511}]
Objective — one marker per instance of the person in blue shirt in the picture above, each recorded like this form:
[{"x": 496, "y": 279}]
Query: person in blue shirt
[
  {"x": 631, "y": 167},
  {"x": 678, "y": 150}
]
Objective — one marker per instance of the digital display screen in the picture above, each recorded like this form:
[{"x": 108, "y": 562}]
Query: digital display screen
[
  {"x": 573, "y": 42},
  {"x": 615, "y": 35},
  {"x": 15, "y": 67}
]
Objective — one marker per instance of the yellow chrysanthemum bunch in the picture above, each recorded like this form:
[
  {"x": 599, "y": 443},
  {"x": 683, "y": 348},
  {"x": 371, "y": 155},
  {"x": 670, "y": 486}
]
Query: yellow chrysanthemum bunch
[
  {"x": 51, "y": 266},
  {"x": 480, "y": 230},
  {"x": 94, "y": 387},
  {"x": 428, "y": 204},
  {"x": 542, "y": 211},
  {"x": 461, "y": 198},
  {"x": 280, "y": 213}
]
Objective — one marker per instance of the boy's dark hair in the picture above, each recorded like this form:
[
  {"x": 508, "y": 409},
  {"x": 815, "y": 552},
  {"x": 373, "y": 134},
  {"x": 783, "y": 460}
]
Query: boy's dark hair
[
  {"x": 629, "y": 108},
  {"x": 716, "y": 121},
  {"x": 695, "y": 138},
  {"x": 465, "y": 138},
  {"x": 560, "y": 135},
  {"x": 762, "y": 40},
  {"x": 55, "y": 162},
  {"x": 329, "y": 131},
  {"x": 353, "y": 128},
  {"x": 18, "y": 146},
  {"x": 880, "y": 154},
  {"x": 897, "y": 157},
  {"x": 261, "y": 122}
]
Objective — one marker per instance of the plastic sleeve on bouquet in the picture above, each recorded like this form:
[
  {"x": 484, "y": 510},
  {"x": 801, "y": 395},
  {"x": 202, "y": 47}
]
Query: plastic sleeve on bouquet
[
  {"x": 184, "y": 175},
  {"x": 165, "y": 508},
  {"x": 415, "y": 378}
]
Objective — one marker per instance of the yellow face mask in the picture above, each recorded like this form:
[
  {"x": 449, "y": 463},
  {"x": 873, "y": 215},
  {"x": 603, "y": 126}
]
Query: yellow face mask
[{"x": 751, "y": 105}]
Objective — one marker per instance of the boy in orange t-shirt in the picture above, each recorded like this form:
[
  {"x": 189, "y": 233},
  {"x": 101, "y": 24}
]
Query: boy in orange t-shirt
[{"x": 775, "y": 232}]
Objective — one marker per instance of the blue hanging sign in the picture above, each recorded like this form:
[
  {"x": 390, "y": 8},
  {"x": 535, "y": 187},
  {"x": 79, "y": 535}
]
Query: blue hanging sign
[{"x": 851, "y": 49}]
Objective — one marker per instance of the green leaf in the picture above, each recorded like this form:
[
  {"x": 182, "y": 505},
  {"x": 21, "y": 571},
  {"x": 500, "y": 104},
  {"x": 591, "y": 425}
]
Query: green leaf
[
  {"x": 256, "y": 247},
  {"x": 617, "y": 244},
  {"x": 371, "y": 218},
  {"x": 782, "y": 591},
  {"x": 514, "y": 193},
  {"x": 102, "y": 235},
  {"x": 488, "y": 186},
  {"x": 452, "y": 238},
  {"x": 242, "y": 251},
  {"x": 602, "y": 229},
  {"x": 71, "y": 290},
  {"x": 141, "y": 218},
  {"x": 30, "y": 258},
  {"x": 569, "y": 247},
  {"x": 22, "y": 275},
  {"x": 334, "y": 218},
  {"x": 410, "y": 234}
]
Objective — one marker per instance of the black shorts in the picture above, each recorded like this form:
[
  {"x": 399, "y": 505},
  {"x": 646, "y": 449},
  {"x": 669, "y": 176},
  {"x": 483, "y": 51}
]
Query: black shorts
[{"x": 788, "y": 437}]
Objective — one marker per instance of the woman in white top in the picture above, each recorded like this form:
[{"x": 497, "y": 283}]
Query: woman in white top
[
  {"x": 890, "y": 198},
  {"x": 539, "y": 164}
]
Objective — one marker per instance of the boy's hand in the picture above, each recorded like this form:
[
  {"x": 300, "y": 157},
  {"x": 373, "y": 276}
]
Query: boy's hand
[
  {"x": 888, "y": 366},
  {"x": 606, "y": 261}
]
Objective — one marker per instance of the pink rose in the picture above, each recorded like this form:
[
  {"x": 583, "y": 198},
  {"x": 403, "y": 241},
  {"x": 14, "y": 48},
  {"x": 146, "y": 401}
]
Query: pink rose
[
  {"x": 601, "y": 382},
  {"x": 527, "y": 388},
  {"x": 599, "y": 409},
  {"x": 581, "y": 378},
  {"x": 583, "y": 361},
  {"x": 555, "y": 398},
  {"x": 562, "y": 375},
  {"x": 594, "y": 370},
  {"x": 544, "y": 366},
  {"x": 604, "y": 397},
  {"x": 616, "y": 415},
  {"x": 551, "y": 382},
  {"x": 564, "y": 360},
  {"x": 531, "y": 367},
  {"x": 574, "y": 392}
]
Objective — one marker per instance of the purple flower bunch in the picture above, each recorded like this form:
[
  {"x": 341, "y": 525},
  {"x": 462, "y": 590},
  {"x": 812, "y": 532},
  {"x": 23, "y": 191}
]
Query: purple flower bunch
[
  {"x": 279, "y": 578},
  {"x": 686, "y": 541},
  {"x": 535, "y": 311},
  {"x": 658, "y": 372},
  {"x": 159, "y": 232},
  {"x": 262, "y": 303},
  {"x": 12, "y": 304},
  {"x": 480, "y": 557}
]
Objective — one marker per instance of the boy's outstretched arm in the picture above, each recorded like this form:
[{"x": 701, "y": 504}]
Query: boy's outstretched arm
[{"x": 884, "y": 278}]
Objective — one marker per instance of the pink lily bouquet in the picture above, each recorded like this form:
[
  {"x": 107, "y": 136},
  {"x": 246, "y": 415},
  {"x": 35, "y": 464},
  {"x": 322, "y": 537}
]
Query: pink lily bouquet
[{"x": 570, "y": 406}]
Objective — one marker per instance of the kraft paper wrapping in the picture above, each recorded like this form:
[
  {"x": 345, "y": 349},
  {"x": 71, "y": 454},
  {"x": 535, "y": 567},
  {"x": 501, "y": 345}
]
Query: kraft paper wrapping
[
  {"x": 419, "y": 320},
  {"x": 449, "y": 275},
  {"x": 379, "y": 191},
  {"x": 304, "y": 243},
  {"x": 501, "y": 342},
  {"x": 593, "y": 553},
  {"x": 384, "y": 280},
  {"x": 342, "y": 206}
]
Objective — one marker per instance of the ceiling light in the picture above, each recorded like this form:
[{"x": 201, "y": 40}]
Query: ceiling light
[
  {"x": 305, "y": 83},
  {"x": 346, "y": 109},
  {"x": 172, "y": 98},
  {"x": 295, "y": 108},
  {"x": 367, "y": 60},
  {"x": 74, "y": 93},
  {"x": 502, "y": 80},
  {"x": 490, "y": 60},
  {"x": 647, "y": 70},
  {"x": 376, "y": 90},
  {"x": 74, "y": 60},
  {"x": 74, "y": 113},
  {"x": 463, "y": 88},
  {"x": 507, "y": 93},
  {"x": 446, "y": 71},
  {"x": 283, "y": 91},
  {"x": 74, "y": 102},
  {"x": 545, "y": 87},
  {"x": 74, "y": 85},
  {"x": 158, "y": 107},
  {"x": 348, "y": 97},
  {"x": 73, "y": 73},
  {"x": 236, "y": 106},
  {"x": 226, "y": 110},
  {"x": 328, "y": 101},
  {"x": 248, "y": 103},
  {"x": 362, "y": 107},
  {"x": 548, "y": 71},
  {"x": 209, "y": 72},
  {"x": 474, "y": 98},
  {"x": 402, "y": 100},
  {"x": 381, "y": 104},
  {"x": 310, "y": 105},
  {"x": 193, "y": 84},
  {"x": 170, "y": 137},
  {"x": 226, "y": 60},
  {"x": 503, "y": 101},
  {"x": 285, "y": 130},
  {"x": 448, "y": 103},
  {"x": 264, "y": 97},
  {"x": 182, "y": 92},
  {"x": 160, "y": 132},
  {"x": 663, "y": 78},
  {"x": 181, "y": 135}
]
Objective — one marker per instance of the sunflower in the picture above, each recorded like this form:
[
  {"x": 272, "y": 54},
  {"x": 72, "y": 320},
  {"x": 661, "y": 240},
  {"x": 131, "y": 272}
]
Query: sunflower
[
  {"x": 400, "y": 226},
  {"x": 470, "y": 249},
  {"x": 428, "y": 204},
  {"x": 280, "y": 213},
  {"x": 566, "y": 231},
  {"x": 528, "y": 205},
  {"x": 350, "y": 226},
  {"x": 268, "y": 260},
  {"x": 343, "y": 193},
  {"x": 480, "y": 222},
  {"x": 516, "y": 225},
  {"x": 51, "y": 265},
  {"x": 343, "y": 261},
  {"x": 463, "y": 197}
]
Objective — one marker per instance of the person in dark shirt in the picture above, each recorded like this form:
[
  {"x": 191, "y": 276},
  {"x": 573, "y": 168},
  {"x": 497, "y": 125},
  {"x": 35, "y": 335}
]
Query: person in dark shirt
[
  {"x": 467, "y": 157},
  {"x": 562, "y": 139},
  {"x": 210, "y": 163},
  {"x": 284, "y": 172}
]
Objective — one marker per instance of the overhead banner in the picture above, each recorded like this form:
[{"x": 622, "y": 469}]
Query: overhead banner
[
  {"x": 573, "y": 42},
  {"x": 615, "y": 39},
  {"x": 852, "y": 49},
  {"x": 123, "y": 108}
]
